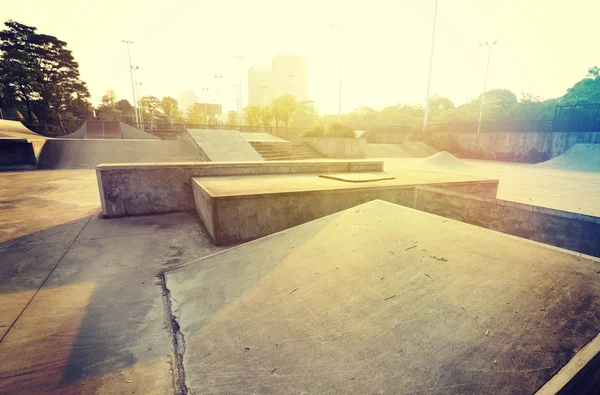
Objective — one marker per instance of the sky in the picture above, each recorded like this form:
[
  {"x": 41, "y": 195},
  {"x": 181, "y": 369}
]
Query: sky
[{"x": 543, "y": 46}]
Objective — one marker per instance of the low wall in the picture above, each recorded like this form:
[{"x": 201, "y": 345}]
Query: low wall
[
  {"x": 576, "y": 232},
  {"x": 16, "y": 154},
  {"x": 530, "y": 147},
  {"x": 386, "y": 138},
  {"x": 338, "y": 147},
  {"x": 151, "y": 188}
]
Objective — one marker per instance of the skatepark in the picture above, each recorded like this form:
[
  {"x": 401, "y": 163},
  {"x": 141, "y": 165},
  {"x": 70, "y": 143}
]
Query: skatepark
[{"x": 222, "y": 262}]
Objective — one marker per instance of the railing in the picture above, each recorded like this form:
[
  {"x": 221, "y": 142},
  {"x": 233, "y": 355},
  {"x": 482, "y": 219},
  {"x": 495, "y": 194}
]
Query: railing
[{"x": 539, "y": 126}]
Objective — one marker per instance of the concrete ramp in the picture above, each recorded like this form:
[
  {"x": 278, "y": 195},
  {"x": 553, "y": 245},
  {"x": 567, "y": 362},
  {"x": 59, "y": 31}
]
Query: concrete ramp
[
  {"x": 260, "y": 136},
  {"x": 408, "y": 149},
  {"x": 98, "y": 129},
  {"x": 222, "y": 145},
  {"x": 580, "y": 157},
  {"x": 88, "y": 153},
  {"x": 16, "y": 129},
  {"x": 382, "y": 299}
]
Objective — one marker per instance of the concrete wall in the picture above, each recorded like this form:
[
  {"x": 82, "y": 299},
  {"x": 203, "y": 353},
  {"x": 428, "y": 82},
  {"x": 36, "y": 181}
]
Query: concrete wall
[
  {"x": 16, "y": 154},
  {"x": 576, "y": 232},
  {"x": 150, "y": 188},
  {"x": 530, "y": 147},
  {"x": 338, "y": 147}
]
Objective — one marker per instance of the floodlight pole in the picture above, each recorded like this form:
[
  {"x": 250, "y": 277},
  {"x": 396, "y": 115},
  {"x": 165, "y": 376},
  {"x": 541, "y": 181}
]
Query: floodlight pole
[
  {"x": 487, "y": 68},
  {"x": 426, "y": 116},
  {"x": 137, "y": 121}
]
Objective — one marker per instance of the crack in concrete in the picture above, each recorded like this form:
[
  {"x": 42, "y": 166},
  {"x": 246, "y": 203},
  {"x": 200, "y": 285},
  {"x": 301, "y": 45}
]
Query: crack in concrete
[{"x": 177, "y": 336}]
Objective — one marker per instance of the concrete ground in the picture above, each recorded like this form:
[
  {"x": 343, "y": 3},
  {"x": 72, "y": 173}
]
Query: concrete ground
[
  {"x": 81, "y": 307},
  {"x": 383, "y": 299}
]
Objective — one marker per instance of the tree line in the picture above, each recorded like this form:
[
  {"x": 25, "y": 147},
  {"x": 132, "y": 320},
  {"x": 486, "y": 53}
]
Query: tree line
[{"x": 40, "y": 83}]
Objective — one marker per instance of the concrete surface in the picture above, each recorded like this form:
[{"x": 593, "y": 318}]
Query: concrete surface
[
  {"x": 88, "y": 153},
  {"x": 16, "y": 129},
  {"x": 407, "y": 149},
  {"x": 97, "y": 129},
  {"x": 338, "y": 147},
  {"x": 16, "y": 154},
  {"x": 81, "y": 308},
  {"x": 580, "y": 157},
  {"x": 383, "y": 299},
  {"x": 129, "y": 189},
  {"x": 223, "y": 145},
  {"x": 575, "y": 232},
  {"x": 526, "y": 183},
  {"x": 260, "y": 136},
  {"x": 236, "y": 209}
]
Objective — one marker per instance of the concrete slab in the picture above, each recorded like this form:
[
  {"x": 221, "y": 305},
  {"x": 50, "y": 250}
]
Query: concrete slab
[
  {"x": 383, "y": 299},
  {"x": 88, "y": 153},
  {"x": 358, "y": 177},
  {"x": 408, "y": 149},
  {"x": 260, "y": 136},
  {"x": 223, "y": 145}
]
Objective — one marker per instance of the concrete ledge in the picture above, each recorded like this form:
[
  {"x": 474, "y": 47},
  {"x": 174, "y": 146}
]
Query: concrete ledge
[
  {"x": 235, "y": 217},
  {"x": 572, "y": 231},
  {"x": 151, "y": 188}
]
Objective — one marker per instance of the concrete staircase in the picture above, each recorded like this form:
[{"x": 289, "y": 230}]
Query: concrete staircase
[{"x": 285, "y": 150}]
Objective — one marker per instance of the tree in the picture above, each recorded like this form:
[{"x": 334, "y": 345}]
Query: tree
[
  {"x": 282, "y": 109},
  {"x": 195, "y": 115},
  {"x": 124, "y": 107},
  {"x": 170, "y": 108},
  {"x": 266, "y": 117},
  {"x": 306, "y": 115},
  {"x": 252, "y": 115},
  {"x": 39, "y": 74},
  {"x": 149, "y": 104},
  {"x": 232, "y": 118},
  {"x": 585, "y": 91},
  {"x": 108, "y": 103}
]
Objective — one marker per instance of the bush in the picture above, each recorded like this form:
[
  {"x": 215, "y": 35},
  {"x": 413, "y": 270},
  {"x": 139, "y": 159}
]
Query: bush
[
  {"x": 317, "y": 131},
  {"x": 339, "y": 130}
]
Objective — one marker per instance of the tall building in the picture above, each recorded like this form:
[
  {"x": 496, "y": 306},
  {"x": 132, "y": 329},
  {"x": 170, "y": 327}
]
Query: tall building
[
  {"x": 259, "y": 85},
  {"x": 289, "y": 76},
  {"x": 186, "y": 99},
  {"x": 286, "y": 76}
]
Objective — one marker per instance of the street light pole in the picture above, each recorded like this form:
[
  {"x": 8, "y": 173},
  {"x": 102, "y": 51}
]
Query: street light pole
[
  {"x": 206, "y": 90},
  {"x": 137, "y": 121},
  {"x": 426, "y": 116},
  {"x": 218, "y": 78},
  {"x": 487, "y": 68},
  {"x": 240, "y": 105}
]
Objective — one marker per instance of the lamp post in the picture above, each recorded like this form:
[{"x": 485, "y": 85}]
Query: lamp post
[
  {"x": 137, "y": 121},
  {"x": 240, "y": 104},
  {"x": 205, "y": 90},
  {"x": 487, "y": 67},
  {"x": 340, "y": 82},
  {"x": 426, "y": 116}
]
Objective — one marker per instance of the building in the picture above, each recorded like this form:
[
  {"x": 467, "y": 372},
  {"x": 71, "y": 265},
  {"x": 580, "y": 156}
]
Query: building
[
  {"x": 259, "y": 84},
  {"x": 287, "y": 75},
  {"x": 186, "y": 99}
]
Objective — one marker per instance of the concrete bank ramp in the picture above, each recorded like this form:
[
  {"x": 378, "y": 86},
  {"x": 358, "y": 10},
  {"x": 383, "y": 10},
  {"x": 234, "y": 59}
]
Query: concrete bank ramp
[
  {"x": 222, "y": 145},
  {"x": 383, "y": 299},
  {"x": 88, "y": 153},
  {"x": 408, "y": 149},
  {"x": 580, "y": 157},
  {"x": 97, "y": 129},
  {"x": 444, "y": 161}
]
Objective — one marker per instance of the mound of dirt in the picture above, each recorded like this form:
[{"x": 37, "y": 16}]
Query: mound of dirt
[{"x": 444, "y": 161}]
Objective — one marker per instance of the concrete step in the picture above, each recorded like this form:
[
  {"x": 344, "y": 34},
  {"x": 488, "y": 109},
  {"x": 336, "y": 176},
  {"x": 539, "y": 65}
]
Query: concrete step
[{"x": 270, "y": 150}]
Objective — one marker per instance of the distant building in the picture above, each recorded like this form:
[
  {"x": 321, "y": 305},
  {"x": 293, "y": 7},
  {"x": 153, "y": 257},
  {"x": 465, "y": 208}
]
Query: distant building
[
  {"x": 289, "y": 76},
  {"x": 286, "y": 76},
  {"x": 259, "y": 85},
  {"x": 186, "y": 99}
]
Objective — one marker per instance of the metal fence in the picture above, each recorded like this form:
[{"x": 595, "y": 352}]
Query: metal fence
[
  {"x": 543, "y": 126},
  {"x": 577, "y": 118}
]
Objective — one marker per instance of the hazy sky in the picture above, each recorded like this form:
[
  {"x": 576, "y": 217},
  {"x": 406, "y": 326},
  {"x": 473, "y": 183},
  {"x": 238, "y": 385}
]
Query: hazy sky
[{"x": 544, "y": 46}]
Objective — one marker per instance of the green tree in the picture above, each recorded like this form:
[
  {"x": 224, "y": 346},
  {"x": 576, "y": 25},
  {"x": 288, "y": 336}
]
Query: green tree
[
  {"x": 149, "y": 104},
  {"x": 585, "y": 91},
  {"x": 282, "y": 109},
  {"x": 195, "y": 115},
  {"x": 306, "y": 115},
  {"x": 232, "y": 118},
  {"x": 266, "y": 117},
  {"x": 170, "y": 108},
  {"x": 108, "y": 103},
  {"x": 252, "y": 115},
  {"x": 124, "y": 107},
  {"x": 39, "y": 74}
]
